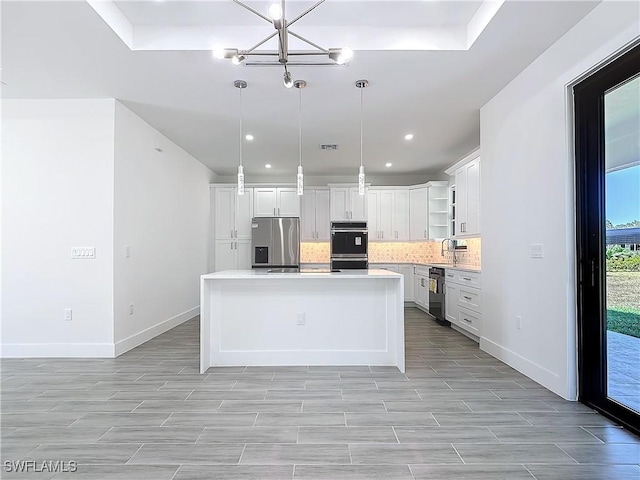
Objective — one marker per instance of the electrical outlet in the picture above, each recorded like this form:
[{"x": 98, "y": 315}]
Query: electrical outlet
[
  {"x": 519, "y": 322},
  {"x": 537, "y": 250},
  {"x": 68, "y": 314},
  {"x": 301, "y": 319},
  {"x": 131, "y": 309},
  {"x": 83, "y": 253}
]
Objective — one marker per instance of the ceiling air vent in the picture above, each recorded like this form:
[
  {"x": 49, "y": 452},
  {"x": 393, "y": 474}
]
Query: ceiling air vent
[{"x": 328, "y": 146}]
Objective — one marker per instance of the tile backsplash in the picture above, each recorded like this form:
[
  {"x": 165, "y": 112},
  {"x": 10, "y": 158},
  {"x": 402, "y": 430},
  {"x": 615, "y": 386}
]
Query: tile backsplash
[{"x": 397, "y": 252}]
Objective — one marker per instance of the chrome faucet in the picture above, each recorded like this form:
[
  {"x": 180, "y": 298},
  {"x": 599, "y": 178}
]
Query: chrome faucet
[{"x": 451, "y": 243}]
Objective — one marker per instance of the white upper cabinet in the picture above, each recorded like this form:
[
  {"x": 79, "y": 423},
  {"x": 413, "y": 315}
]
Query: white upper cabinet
[
  {"x": 347, "y": 204},
  {"x": 467, "y": 181},
  {"x": 401, "y": 215},
  {"x": 466, "y": 175},
  {"x": 276, "y": 202},
  {"x": 224, "y": 212},
  {"x": 232, "y": 213},
  {"x": 388, "y": 215},
  {"x": 231, "y": 222},
  {"x": 323, "y": 220},
  {"x": 288, "y": 202},
  {"x": 418, "y": 214},
  {"x": 340, "y": 203},
  {"x": 358, "y": 204},
  {"x": 315, "y": 215}
]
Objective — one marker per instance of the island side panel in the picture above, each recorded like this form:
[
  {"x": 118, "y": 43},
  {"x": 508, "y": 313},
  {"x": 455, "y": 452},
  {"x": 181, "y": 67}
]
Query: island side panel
[
  {"x": 205, "y": 321},
  {"x": 397, "y": 304},
  {"x": 346, "y": 321}
]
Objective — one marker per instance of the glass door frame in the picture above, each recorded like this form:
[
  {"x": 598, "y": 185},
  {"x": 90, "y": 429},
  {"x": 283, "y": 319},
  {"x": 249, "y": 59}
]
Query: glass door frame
[{"x": 590, "y": 235}]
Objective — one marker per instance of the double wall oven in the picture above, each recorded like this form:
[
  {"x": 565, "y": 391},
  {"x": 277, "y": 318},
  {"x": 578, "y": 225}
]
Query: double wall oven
[{"x": 349, "y": 246}]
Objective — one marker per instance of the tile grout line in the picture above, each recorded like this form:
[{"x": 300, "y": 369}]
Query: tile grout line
[
  {"x": 395, "y": 433},
  {"x": 567, "y": 454},
  {"x": 243, "y": 449},
  {"x": 134, "y": 454},
  {"x": 458, "y": 453},
  {"x": 177, "y": 469},
  {"x": 530, "y": 472}
]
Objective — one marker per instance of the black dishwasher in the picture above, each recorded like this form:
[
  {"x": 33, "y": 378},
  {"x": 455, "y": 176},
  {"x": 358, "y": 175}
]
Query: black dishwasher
[{"x": 436, "y": 295}]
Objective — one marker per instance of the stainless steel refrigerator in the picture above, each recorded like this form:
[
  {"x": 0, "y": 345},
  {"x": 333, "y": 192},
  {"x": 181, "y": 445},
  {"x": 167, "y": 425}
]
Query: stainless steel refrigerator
[{"x": 275, "y": 242}]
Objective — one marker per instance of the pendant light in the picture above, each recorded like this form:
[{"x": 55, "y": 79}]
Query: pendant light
[
  {"x": 300, "y": 84},
  {"x": 361, "y": 84},
  {"x": 240, "y": 85}
]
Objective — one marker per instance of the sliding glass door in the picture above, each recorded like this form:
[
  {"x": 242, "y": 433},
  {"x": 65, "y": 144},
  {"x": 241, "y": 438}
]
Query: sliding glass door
[{"x": 607, "y": 108}]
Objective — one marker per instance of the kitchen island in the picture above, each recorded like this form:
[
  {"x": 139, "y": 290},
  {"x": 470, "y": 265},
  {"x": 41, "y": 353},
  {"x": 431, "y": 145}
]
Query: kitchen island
[{"x": 314, "y": 317}]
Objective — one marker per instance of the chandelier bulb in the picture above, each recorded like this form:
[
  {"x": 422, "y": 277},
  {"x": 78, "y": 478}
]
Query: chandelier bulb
[{"x": 288, "y": 81}]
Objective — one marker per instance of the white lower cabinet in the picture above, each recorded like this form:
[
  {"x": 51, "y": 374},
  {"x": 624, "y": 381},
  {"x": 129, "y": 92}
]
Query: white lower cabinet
[
  {"x": 463, "y": 300},
  {"x": 451, "y": 302},
  {"x": 232, "y": 254},
  {"x": 407, "y": 271}
]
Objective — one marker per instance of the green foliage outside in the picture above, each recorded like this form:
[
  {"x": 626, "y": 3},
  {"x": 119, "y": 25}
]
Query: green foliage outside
[
  {"x": 623, "y": 302},
  {"x": 620, "y": 259},
  {"x": 624, "y": 320}
]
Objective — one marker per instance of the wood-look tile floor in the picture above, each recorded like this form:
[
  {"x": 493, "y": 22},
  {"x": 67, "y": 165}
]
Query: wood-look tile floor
[{"x": 457, "y": 413}]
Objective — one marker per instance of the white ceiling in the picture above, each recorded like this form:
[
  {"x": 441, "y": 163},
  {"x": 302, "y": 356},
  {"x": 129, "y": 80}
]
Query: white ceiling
[{"x": 66, "y": 50}]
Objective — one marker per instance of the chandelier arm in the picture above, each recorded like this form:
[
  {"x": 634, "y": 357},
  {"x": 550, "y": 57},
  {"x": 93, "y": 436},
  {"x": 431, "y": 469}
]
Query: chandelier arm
[
  {"x": 264, "y": 17},
  {"x": 305, "y": 12},
  {"x": 324, "y": 50},
  {"x": 246, "y": 52}
]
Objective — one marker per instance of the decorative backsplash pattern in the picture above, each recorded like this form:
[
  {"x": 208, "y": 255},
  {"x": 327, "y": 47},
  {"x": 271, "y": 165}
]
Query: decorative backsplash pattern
[{"x": 398, "y": 252}]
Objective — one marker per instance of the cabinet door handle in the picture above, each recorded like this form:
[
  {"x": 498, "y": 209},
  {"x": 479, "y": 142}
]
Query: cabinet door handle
[
  {"x": 396, "y": 234},
  {"x": 236, "y": 233},
  {"x": 278, "y": 211},
  {"x": 467, "y": 320},
  {"x": 274, "y": 211},
  {"x": 466, "y": 278},
  {"x": 425, "y": 234},
  {"x": 468, "y": 298},
  {"x": 231, "y": 233}
]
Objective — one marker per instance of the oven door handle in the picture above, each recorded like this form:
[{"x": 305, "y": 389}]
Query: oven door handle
[{"x": 343, "y": 230}]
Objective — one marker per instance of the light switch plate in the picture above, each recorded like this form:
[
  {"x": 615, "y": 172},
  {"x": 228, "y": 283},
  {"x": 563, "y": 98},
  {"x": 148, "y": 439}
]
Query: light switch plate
[
  {"x": 83, "y": 253},
  {"x": 537, "y": 250}
]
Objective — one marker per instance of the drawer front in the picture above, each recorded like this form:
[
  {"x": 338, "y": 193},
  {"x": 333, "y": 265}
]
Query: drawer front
[
  {"x": 468, "y": 278},
  {"x": 470, "y": 298},
  {"x": 421, "y": 270},
  {"x": 470, "y": 321},
  {"x": 450, "y": 276}
]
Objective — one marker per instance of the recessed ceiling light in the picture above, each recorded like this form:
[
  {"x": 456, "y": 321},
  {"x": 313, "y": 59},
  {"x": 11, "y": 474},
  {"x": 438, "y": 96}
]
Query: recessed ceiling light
[
  {"x": 249, "y": 137},
  {"x": 388, "y": 164},
  {"x": 268, "y": 165},
  {"x": 408, "y": 136}
]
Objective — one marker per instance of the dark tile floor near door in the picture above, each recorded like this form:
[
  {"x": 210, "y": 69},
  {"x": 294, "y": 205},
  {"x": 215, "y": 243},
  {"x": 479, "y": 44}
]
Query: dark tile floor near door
[{"x": 457, "y": 414}]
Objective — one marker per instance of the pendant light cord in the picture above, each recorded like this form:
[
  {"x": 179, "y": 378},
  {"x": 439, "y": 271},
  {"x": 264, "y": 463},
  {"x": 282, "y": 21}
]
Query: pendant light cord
[
  {"x": 300, "y": 125},
  {"x": 240, "y": 125},
  {"x": 361, "y": 89}
]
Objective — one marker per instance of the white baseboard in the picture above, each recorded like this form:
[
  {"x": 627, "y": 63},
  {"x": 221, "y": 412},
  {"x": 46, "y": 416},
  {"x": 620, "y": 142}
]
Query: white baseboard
[
  {"x": 535, "y": 372},
  {"x": 57, "y": 350},
  {"x": 145, "y": 335}
]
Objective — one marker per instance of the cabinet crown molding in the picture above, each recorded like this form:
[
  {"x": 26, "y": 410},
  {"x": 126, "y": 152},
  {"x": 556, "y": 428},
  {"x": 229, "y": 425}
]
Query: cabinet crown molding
[{"x": 468, "y": 158}]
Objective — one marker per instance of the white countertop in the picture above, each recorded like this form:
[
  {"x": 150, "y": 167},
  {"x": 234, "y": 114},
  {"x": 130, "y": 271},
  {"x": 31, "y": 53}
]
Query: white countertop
[
  {"x": 462, "y": 268},
  {"x": 304, "y": 273}
]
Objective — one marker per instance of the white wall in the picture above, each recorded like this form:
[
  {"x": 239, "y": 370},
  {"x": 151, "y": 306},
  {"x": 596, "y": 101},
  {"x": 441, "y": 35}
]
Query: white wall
[
  {"x": 162, "y": 214},
  {"x": 57, "y": 193},
  {"x": 528, "y": 197}
]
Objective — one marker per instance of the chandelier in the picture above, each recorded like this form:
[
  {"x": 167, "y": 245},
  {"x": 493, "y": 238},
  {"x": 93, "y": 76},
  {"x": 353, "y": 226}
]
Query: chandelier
[{"x": 276, "y": 16}]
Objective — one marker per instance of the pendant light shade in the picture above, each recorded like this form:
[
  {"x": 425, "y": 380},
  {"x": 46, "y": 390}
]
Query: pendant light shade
[
  {"x": 300, "y": 84},
  {"x": 361, "y": 84},
  {"x": 240, "y": 85}
]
